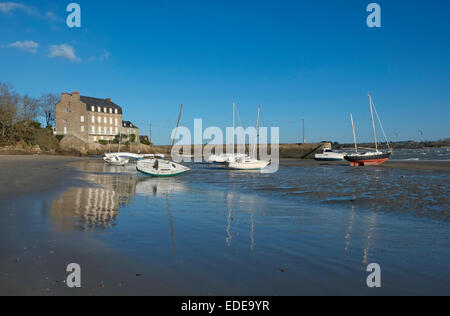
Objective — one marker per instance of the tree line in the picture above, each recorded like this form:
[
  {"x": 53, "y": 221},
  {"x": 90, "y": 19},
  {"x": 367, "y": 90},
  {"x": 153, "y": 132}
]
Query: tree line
[{"x": 16, "y": 108}]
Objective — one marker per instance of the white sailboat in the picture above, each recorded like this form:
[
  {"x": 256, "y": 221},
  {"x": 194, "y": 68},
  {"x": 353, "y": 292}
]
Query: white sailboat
[
  {"x": 117, "y": 159},
  {"x": 223, "y": 159},
  {"x": 160, "y": 167},
  {"x": 134, "y": 156},
  {"x": 247, "y": 162},
  {"x": 122, "y": 158}
]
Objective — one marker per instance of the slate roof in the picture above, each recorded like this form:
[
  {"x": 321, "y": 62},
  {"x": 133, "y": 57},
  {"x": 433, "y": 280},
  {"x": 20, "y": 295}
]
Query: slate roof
[
  {"x": 129, "y": 124},
  {"x": 103, "y": 103}
]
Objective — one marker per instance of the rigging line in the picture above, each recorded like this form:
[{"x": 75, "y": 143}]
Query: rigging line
[
  {"x": 238, "y": 116},
  {"x": 381, "y": 125},
  {"x": 261, "y": 119}
]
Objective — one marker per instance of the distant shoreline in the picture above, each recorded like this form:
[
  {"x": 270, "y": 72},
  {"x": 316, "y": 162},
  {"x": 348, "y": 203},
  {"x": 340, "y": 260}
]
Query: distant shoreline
[
  {"x": 286, "y": 151},
  {"x": 410, "y": 144}
]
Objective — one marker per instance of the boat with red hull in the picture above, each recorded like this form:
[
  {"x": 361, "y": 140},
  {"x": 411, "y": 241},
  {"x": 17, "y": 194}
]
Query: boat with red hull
[
  {"x": 368, "y": 159},
  {"x": 371, "y": 157}
]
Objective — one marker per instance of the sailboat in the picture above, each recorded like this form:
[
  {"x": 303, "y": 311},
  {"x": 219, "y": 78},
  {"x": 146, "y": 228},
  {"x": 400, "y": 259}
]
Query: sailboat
[
  {"x": 247, "y": 162},
  {"x": 376, "y": 157},
  {"x": 160, "y": 167},
  {"x": 223, "y": 159},
  {"x": 116, "y": 159}
]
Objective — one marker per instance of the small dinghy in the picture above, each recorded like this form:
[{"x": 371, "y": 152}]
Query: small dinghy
[
  {"x": 116, "y": 160},
  {"x": 160, "y": 168}
]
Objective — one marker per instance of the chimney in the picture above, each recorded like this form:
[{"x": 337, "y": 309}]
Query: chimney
[
  {"x": 109, "y": 99},
  {"x": 65, "y": 95},
  {"x": 76, "y": 94}
]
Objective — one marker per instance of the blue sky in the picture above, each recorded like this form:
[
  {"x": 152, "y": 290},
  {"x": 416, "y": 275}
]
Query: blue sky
[{"x": 312, "y": 60}]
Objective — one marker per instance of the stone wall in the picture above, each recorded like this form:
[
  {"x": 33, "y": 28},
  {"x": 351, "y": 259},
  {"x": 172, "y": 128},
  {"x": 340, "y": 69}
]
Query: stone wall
[
  {"x": 71, "y": 116},
  {"x": 295, "y": 151}
]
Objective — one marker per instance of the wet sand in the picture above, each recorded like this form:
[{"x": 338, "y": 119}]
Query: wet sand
[
  {"x": 42, "y": 230},
  {"x": 396, "y": 164},
  {"x": 34, "y": 254},
  {"x": 22, "y": 175}
]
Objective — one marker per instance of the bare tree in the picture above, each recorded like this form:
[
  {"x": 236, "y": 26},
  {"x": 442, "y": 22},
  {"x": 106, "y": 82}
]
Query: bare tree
[
  {"x": 9, "y": 104},
  {"x": 29, "y": 108},
  {"x": 47, "y": 103}
]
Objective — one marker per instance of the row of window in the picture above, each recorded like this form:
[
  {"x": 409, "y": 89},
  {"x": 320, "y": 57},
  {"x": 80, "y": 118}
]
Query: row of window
[
  {"x": 99, "y": 119},
  {"x": 100, "y": 130},
  {"x": 103, "y": 130},
  {"x": 105, "y": 110},
  {"x": 105, "y": 120}
]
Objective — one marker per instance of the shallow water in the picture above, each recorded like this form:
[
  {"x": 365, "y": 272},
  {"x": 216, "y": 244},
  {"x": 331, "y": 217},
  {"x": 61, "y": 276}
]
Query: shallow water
[
  {"x": 304, "y": 230},
  {"x": 423, "y": 154}
]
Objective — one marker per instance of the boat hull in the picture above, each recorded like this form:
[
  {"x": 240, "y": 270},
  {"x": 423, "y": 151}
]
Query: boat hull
[
  {"x": 160, "y": 169},
  {"x": 330, "y": 156},
  {"x": 329, "y": 159},
  {"x": 116, "y": 161},
  {"x": 368, "y": 160},
  {"x": 160, "y": 175},
  {"x": 257, "y": 165}
]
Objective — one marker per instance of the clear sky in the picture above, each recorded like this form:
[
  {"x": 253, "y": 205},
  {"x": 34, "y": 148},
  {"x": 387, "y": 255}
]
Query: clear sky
[{"x": 303, "y": 59}]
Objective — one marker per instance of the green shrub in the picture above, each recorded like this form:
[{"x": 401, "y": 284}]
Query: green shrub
[
  {"x": 103, "y": 142},
  {"x": 32, "y": 134},
  {"x": 46, "y": 140}
]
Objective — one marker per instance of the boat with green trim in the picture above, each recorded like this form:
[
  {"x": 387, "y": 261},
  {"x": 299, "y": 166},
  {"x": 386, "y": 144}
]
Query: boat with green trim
[{"x": 160, "y": 168}]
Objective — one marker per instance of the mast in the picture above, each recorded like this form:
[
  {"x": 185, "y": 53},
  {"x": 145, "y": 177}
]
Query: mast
[
  {"x": 129, "y": 139},
  {"x": 255, "y": 146},
  {"x": 176, "y": 130},
  {"x": 354, "y": 133},
  {"x": 304, "y": 138},
  {"x": 234, "y": 123},
  {"x": 150, "y": 134},
  {"x": 120, "y": 137},
  {"x": 373, "y": 123}
]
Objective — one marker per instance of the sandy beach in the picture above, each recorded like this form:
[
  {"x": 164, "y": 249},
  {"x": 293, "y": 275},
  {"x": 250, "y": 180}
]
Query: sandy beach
[
  {"x": 138, "y": 236},
  {"x": 22, "y": 175}
]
